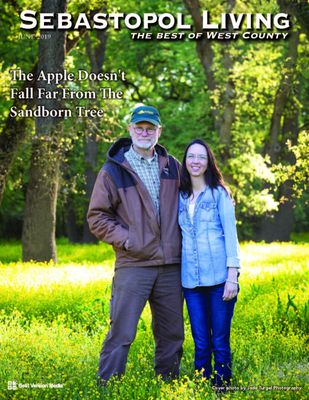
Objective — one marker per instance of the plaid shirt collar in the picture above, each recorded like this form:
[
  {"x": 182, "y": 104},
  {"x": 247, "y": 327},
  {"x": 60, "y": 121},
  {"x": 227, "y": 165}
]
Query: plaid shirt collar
[{"x": 132, "y": 153}]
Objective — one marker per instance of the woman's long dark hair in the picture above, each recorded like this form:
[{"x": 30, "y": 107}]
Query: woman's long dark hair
[{"x": 212, "y": 175}]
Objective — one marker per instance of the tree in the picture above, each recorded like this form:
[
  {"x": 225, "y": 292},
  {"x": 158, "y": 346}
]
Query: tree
[
  {"x": 39, "y": 227},
  {"x": 299, "y": 9},
  {"x": 223, "y": 108},
  {"x": 231, "y": 93},
  {"x": 96, "y": 54},
  {"x": 284, "y": 127}
]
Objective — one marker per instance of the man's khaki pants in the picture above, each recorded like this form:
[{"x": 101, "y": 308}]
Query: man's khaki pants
[{"x": 132, "y": 287}]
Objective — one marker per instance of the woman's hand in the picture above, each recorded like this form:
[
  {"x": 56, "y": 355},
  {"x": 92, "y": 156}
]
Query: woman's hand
[
  {"x": 230, "y": 291},
  {"x": 231, "y": 284}
]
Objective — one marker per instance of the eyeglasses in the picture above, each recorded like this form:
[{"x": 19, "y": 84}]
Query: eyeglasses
[
  {"x": 150, "y": 131},
  {"x": 199, "y": 157}
]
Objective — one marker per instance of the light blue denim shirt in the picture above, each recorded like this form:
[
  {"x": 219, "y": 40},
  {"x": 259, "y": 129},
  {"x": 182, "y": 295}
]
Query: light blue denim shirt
[{"x": 209, "y": 242}]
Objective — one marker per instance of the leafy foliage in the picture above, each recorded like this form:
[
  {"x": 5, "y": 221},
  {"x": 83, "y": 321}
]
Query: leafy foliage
[{"x": 169, "y": 75}]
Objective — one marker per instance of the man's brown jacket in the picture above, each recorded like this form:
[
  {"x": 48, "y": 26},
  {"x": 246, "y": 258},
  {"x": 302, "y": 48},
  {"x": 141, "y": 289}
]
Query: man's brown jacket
[{"x": 121, "y": 208}]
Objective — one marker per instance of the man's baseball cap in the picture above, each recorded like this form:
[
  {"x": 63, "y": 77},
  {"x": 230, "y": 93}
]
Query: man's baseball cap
[{"x": 145, "y": 114}]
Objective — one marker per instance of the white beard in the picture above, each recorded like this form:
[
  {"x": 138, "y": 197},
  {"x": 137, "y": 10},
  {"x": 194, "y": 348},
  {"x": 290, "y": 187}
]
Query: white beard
[{"x": 145, "y": 145}]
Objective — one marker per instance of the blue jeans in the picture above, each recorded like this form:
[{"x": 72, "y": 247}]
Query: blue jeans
[{"x": 210, "y": 319}]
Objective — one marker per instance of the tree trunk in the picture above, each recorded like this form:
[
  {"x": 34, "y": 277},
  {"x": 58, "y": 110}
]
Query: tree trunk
[
  {"x": 96, "y": 56},
  {"x": 39, "y": 228},
  {"x": 38, "y": 236},
  {"x": 90, "y": 151},
  {"x": 222, "y": 119},
  {"x": 205, "y": 54},
  {"x": 280, "y": 225},
  {"x": 273, "y": 147},
  {"x": 300, "y": 10},
  {"x": 228, "y": 101},
  {"x": 70, "y": 222}
]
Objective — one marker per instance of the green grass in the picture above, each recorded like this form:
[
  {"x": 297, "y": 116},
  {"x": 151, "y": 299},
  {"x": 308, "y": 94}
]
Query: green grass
[
  {"x": 11, "y": 251},
  {"x": 54, "y": 317}
]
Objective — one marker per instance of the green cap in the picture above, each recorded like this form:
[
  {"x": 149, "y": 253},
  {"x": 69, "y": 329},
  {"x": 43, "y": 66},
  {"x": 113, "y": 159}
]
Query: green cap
[{"x": 145, "y": 114}]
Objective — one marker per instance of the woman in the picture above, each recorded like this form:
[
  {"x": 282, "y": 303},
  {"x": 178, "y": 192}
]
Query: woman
[{"x": 210, "y": 259}]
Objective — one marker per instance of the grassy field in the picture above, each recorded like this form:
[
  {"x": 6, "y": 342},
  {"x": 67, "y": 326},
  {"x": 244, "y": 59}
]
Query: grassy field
[{"x": 53, "y": 319}]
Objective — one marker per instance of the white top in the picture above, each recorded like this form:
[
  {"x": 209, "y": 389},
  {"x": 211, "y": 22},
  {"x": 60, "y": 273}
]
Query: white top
[{"x": 191, "y": 210}]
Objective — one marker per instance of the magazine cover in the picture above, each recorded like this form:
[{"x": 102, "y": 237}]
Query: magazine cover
[{"x": 153, "y": 203}]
